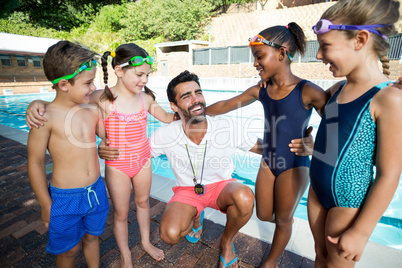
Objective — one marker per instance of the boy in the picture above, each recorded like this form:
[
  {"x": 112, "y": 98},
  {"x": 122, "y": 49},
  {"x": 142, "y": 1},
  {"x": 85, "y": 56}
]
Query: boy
[{"x": 74, "y": 206}]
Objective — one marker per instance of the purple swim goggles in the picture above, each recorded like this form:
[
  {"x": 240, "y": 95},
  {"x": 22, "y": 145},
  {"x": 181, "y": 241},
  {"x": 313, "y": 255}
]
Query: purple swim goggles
[{"x": 323, "y": 26}]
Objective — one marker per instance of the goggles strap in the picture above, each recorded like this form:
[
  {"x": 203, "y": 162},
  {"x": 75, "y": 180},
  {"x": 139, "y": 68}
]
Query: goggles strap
[
  {"x": 86, "y": 66},
  {"x": 148, "y": 59}
]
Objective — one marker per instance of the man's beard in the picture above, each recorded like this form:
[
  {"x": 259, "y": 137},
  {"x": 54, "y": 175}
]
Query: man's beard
[{"x": 193, "y": 119}]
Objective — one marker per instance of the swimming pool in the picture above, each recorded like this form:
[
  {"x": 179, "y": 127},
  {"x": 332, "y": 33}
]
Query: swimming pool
[{"x": 388, "y": 231}]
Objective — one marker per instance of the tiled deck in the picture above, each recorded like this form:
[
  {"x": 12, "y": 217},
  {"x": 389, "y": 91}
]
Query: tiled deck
[{"x": 23, "y": 238}]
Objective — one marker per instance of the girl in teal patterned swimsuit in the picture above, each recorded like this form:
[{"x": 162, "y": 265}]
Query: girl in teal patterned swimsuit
[{"x": 360, "y": 128}]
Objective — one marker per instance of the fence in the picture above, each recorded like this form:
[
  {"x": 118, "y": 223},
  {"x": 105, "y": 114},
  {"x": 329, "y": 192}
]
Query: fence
[
  {"x": 5, "y": 79},
  {"x": 242, "y": 54}
]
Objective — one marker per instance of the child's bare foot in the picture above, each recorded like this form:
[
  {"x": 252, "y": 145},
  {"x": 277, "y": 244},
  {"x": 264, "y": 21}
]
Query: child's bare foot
[{"x": 156, "y": 253}]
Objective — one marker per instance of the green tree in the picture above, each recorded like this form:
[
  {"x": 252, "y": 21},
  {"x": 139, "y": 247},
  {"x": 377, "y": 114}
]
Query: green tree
[
  {"x": 7, "y": 7},
  {"x": 103, "y": 32},
  {"x": 61, "y": 14},
  {"x": 102, "y": 28},
  {"x": 173, "y": 19}
]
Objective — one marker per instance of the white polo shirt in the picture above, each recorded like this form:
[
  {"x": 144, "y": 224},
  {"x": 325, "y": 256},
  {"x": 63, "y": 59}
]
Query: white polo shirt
[{"x": 220, "y": 142}]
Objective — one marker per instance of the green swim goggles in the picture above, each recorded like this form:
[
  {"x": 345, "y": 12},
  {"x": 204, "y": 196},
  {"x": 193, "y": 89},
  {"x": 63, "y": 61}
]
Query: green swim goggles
[
  {"x": 138, "y": 60},
  {"x": 86, "y": 66}
]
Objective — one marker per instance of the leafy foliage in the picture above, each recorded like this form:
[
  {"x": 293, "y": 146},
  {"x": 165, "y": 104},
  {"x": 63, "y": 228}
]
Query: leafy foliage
[
  {"x": 173, "y": 19},
  {"x": 19, "y": 23},
  {"x": 7, "y": 6},
  {"x": 105, "y": 24},
  {"x": 57, "y": 14}
]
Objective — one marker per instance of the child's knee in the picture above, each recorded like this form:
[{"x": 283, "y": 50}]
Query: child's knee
[
  {"x": 72, "y": 252},
  {"x": 90, "y": 239},
  {"x": 264, "y": 214},
  {"x": 120, "y": 215},
  {"x": 142, "y": 203}
]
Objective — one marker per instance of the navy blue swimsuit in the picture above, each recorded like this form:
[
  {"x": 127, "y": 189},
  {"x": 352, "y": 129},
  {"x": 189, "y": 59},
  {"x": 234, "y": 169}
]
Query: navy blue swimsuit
[
  {"x": 285, "y": 119},
  {"x": 344, "y": 152}
]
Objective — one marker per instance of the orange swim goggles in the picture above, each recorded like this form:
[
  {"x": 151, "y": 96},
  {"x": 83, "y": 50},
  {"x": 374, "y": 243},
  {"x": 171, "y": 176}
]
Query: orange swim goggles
[{"x": 259, "y": 40}]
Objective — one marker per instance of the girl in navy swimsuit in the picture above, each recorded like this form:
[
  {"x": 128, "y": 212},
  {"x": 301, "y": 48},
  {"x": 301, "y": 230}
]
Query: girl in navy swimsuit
[
  {"x": 288, "y": 101},
  {"x": 360, "y": 128}
]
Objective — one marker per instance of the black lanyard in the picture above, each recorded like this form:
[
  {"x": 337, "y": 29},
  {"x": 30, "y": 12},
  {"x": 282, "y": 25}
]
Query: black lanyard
[{"x": 198, "y": 188}]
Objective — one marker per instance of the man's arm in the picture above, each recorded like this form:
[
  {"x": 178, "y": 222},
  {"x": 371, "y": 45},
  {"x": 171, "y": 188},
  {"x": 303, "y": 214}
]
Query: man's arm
[
  {"x": 36, "y": 109},
  {"x": 37, "y": 144}
]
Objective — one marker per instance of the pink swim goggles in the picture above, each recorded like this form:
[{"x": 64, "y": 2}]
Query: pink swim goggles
[{"x": 323, "y": 26}]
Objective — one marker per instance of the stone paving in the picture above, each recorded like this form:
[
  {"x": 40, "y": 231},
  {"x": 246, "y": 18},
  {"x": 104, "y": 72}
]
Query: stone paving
[{"x": 23, "y": 237}]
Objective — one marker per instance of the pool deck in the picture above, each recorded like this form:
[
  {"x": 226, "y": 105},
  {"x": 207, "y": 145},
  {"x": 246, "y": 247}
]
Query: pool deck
[{"x": 23, "y": 237}]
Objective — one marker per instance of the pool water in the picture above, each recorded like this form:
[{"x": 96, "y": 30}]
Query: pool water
[{"x": 387, "y": 232}]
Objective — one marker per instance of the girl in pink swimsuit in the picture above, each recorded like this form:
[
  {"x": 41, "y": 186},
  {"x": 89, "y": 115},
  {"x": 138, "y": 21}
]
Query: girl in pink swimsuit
[{"x": 125, "y": 107}]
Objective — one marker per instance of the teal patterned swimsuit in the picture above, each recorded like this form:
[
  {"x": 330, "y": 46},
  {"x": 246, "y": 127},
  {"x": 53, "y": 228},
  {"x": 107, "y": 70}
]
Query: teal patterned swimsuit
[{"x": 342, "y": 166}]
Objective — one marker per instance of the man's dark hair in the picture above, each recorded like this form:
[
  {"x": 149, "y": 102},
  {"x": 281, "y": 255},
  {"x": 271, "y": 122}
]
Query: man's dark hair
[{"x": 185, "y": 76}]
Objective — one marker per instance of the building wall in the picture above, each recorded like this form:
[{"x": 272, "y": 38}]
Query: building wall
[
  {"x": 16, "y": 73},
  {"x": 175, "y": 62},
  {"x": 233, "y": 29},
  {"x": 42, "y": 84},
  {"x": 179, "y": 61}
]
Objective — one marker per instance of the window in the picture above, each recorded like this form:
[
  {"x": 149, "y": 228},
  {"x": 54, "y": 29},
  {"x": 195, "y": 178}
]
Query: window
[
  {"x": 5, "y": 60},
  {"x": 21, "y": 62},
  {"x": 37, "y": 63}
]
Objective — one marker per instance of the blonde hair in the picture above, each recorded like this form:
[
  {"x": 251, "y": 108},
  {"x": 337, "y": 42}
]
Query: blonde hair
[{"x": 368, "y": 12}]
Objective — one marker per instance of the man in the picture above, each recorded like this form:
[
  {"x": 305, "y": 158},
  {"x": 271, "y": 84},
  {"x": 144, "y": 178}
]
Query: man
[{"x": 200, "y": 149}]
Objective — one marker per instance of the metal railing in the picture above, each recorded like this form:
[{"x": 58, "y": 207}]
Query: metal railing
[
  {"x": 35, "y": 78},
  {"x": 241, "y": 54}
]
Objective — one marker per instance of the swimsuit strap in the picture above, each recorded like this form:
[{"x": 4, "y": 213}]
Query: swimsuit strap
[
  {"x": 113, "y": 108},
  {"x": 142, "y": 101},
  {"x": 333, "y": 97}
]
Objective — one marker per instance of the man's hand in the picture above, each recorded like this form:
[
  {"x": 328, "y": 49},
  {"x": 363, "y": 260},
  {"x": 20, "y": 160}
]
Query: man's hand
[
  {"x": 397, "y": 83},
  {"x": 106, "y": 152},
  {"x": 34, "y": 114},
  {"x": 262, "y": 83},
  {"x": 303, "y": 146}
]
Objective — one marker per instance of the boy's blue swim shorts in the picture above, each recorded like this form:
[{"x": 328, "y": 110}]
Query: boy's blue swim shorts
[{"x": 74, "y": 213}]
